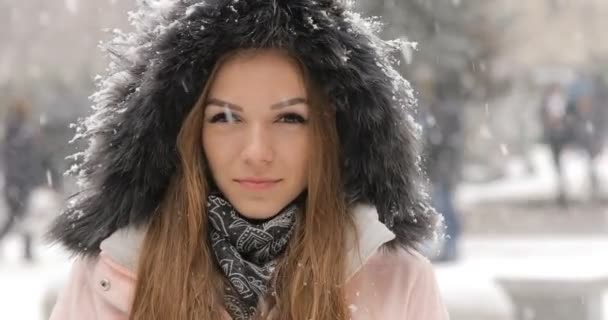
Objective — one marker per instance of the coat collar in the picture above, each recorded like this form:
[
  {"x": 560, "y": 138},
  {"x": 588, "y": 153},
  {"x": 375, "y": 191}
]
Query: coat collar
[{"x": 123, "y": 246}]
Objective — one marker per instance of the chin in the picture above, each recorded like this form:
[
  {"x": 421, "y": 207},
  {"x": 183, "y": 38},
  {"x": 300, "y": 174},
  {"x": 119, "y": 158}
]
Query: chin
[{"x": 258, "y": 209}]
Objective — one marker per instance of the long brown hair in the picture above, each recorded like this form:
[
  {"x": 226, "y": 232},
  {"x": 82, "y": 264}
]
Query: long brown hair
[{"x": 178, "y": 277}]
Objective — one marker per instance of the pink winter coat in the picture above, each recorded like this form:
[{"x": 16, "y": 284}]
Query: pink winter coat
[{"x": 380, "y": 284}]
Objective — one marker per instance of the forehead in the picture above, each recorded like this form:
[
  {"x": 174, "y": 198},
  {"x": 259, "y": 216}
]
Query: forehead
[{"x": 264, "y": 77}]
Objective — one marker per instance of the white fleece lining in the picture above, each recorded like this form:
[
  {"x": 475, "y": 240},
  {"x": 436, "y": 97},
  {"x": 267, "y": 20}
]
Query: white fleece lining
[
  {"x": 372, "y": 235},
  {"x": 123, "y": 246}
]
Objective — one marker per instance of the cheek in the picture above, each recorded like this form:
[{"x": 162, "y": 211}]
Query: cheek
[
  {"x": 213, "y": 150},
  {"x": 295, "y": 149}
]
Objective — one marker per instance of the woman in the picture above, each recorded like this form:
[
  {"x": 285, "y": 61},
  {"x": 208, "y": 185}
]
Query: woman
[{"x": 249, "y": 159}]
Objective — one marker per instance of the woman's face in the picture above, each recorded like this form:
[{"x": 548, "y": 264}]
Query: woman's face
[{"x": 256, "y": 132}]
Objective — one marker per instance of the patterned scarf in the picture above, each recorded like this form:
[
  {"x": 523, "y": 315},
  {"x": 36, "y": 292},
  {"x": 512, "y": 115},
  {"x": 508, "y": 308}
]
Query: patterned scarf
[{"x": 246, "y": 252}]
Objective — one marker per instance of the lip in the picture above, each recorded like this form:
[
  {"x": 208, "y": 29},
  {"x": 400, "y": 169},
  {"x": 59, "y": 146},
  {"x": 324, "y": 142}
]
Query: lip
[{"x": 257, "y": 183}]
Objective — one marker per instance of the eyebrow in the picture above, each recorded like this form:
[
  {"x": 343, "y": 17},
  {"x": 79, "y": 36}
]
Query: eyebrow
[{"x": 278, "y": 105}]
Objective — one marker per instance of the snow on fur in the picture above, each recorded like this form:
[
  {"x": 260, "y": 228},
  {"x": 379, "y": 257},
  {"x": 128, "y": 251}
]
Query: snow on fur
[{"x": 156, "y": 74}]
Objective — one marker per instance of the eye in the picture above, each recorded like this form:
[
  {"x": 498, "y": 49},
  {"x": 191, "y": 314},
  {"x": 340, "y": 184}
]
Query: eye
[
  {"x": 292, "y": 118},
  {"x": 220, "y": 117},
  {"x": 224, "y": 117}
]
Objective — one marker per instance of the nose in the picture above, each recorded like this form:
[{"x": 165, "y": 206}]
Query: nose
[{"x": 258, "y": 149}]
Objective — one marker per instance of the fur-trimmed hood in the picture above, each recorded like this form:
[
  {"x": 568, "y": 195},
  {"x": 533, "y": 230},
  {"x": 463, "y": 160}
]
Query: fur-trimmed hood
[{"x": 158, "y": 71}]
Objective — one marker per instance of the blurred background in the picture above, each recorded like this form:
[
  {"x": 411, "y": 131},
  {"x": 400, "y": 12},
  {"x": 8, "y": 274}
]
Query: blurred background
[{"x": 513, "y": 106}]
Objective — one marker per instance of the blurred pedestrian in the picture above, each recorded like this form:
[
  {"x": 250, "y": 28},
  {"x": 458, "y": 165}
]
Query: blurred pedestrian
[
  {"x": 25, "y": 167},
  {"x": 572, "y": 117},
  {"x": 556, "y": 134},
  {"x": 583, "y": 121}
]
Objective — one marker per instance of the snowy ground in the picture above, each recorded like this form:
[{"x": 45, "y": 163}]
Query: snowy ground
[
  {"x": 469, "y": 286},
  {"x": 25, "y": 285}
]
